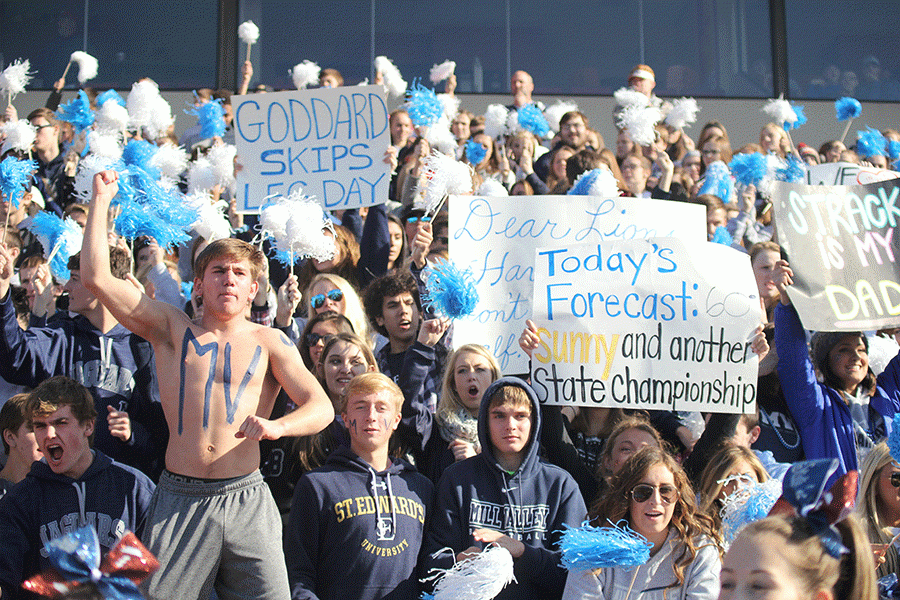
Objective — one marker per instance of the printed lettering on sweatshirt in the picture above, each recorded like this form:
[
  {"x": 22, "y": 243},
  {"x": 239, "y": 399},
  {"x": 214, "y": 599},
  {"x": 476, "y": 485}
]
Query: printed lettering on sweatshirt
[
  {"x": 109, "y": 529},
  {"x": 114, "y": 378},
  {"x": 527, "y": 521}
]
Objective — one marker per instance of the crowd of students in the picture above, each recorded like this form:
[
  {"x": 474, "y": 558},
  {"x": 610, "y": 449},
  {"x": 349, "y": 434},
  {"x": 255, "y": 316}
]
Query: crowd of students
[{"x": 387, "y": 456}]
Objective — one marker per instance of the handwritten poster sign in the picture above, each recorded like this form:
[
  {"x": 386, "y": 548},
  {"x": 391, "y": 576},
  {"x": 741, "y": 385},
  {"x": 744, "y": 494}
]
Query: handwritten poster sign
[
  {"x": 496, "y": 239},
  {"x": 654, "y": 324},
  {"x": 329, "y": 142},
  {"x": 843, "y": 173},
  {"x": 841, "y": 244}
]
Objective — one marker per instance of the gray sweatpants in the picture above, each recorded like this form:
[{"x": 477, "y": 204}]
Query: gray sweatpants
[{"x": 223, "y": 535}]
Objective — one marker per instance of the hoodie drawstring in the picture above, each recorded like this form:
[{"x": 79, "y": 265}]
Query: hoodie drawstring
[
  {"x": 385, "y": 528},
  {"x": 81, "y": 492}
]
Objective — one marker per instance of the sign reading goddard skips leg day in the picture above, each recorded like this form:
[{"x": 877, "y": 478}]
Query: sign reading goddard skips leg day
[
  {"x": 645, "y": 324},
  {"x": 844, "y": 252},
  {"x": 329, "y": 142},
  {"x": 496, "y": 238}
]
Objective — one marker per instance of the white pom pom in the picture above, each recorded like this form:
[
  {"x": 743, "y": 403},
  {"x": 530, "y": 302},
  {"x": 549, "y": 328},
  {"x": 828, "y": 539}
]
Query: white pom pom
[
  {"x": 212, "y": 222},
  {"x": 780, "y": 110},
  {"x": 147, "y": 109},
  {"x": 171, "y": 160},
  {"x": 105, "y": 143},
  {"x": 112, "y": 116},
  {"x": 201, "y": 176},
  {"x": 450, "y": 104},
  {"x": 512, "y": 123},
  {"x": 639, "y": 121},
  {"x": 555, "y": 112},
  {"x": 89, "y": 166},
  {"x": 881, "y": 351},
  {"x": 87, "y": 65},
  {"x": 683, "y": 111},
  {"x": 248, "y": 32},
  {"x": 305, "y": 73},
  {"x": 296, "y": 223},
  {"x": 440, "y": 136},
  {"x": 479, "y": 577},
  {"x": 492, "y": 187},
  {"x": 393, "y": 81},
  {"x": 18, "y": 135},
  {"x": 629, "y": 97},
  {"x": 495, "y": 120},
  {"x": 442, "y": 71},
  {"x": 443, "y": 175},
  {"x": 15, "y": 77},
  {"x": 221, "y": 157}
]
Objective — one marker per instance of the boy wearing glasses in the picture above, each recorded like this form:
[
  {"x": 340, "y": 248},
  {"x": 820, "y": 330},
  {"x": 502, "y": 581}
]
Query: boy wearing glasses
[{"x": 506, "y": 496}]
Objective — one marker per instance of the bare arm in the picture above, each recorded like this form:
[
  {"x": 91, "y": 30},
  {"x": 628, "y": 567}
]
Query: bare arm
[{"x": 143, "y": 316}]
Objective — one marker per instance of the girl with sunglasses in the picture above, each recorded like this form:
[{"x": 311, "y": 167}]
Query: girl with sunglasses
[
  {"x": 329, "y": 292},
  {"x": 878, "y": 504},
  {"x": 651, "y": 492}
]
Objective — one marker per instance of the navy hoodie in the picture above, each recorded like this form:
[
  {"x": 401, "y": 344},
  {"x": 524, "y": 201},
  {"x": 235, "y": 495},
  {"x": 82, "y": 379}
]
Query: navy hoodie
[
  {"x": 355, "y": 533},
  {"x": 110, "y": 496},
  {"x": 530, "y": 505},
  {"x": 116, "y": 367}
]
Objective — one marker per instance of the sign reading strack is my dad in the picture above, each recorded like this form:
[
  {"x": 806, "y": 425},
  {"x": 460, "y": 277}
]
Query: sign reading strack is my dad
[
  {"x": 327, "y": 142},
  {"x": 842, "y": 247}
]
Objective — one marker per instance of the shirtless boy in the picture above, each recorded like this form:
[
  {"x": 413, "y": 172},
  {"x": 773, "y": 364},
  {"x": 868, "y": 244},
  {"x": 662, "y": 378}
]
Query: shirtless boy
[{"x": 213, "y": 523}]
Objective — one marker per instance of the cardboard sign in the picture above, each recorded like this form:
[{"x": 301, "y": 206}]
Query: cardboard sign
[
  {"x": 841, "y": 244},
  {"x": 652, "y": 324},
  {"x": 496, "y": 239},
  {"x": 329, "y": 142},
  {"x": 843, "y": 173}
]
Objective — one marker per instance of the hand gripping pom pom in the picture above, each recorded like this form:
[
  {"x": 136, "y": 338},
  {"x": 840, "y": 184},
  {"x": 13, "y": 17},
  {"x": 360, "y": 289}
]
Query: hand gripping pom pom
[
  {"x": 589, "y": 547},
  {"x": 443, "y": 176},
  {"x": 449, "y": 291},
  {"x": 248, "y": 32}
]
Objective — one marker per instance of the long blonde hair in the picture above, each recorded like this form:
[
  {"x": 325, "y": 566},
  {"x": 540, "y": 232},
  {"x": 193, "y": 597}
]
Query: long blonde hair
[
  {"x": 353, "y": 308},
  {"x": 868, "y": 506},
  {"x": 449, "y": 403},
  {"x": 711, "y": 481}
]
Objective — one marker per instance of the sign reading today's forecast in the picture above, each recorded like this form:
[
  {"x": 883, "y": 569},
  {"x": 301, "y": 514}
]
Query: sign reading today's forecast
[
  {"x": 656, "y": 323},
  {"x": 329, "y": 142}
]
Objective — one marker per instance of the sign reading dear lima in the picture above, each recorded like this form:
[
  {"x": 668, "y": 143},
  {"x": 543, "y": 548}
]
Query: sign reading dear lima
[{"x": 328, "y": 142}]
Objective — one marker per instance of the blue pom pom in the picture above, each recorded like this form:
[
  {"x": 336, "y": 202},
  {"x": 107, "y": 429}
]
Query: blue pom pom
[
  {"x": 187, "y": 288},
  {"x": 801, "y": 118},
  {"x": 57, "y": 237},
  {"x": 748, "y": 169},
  {"x": 750, "y": 502},
  {"x": 589, "y": 547},
  {"x": 721, "y": 236},
  {"x": 532, "y": 119},
  {"x": 871, "y": 143},
  {"x": 794, "y": 170},
  {"x": 717, "y": 181},
  {"x": 110, "y": 95},
  {"x": 893, "y": 440},
  {"x": 138, "y": 153},
  {"x": 77, "y": 112},
  {"x": 583, "y": 184},
  {"x": 893, "y": 150},
  {"x": 847, "y": 108},
  {"x": 475, "y": 152},
  {"x": 149, "y": 209},
  {"x": 211, "y": 117},
  {"x": 15, "y": 178},
  {"x": 449, "y": 291},
  {"x": 423, "y": 105}
]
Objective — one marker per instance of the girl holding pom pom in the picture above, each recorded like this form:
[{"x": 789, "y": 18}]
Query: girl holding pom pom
[{"x": 652, "y": 493}]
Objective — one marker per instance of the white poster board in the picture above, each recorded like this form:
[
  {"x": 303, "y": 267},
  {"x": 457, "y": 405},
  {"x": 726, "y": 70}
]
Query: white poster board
[
  {"x": 655, "y": 324},
  {"x": 329, "y": 142},
  {"x": 496, "y": 239},
  {"x": 844, "y": 173}
]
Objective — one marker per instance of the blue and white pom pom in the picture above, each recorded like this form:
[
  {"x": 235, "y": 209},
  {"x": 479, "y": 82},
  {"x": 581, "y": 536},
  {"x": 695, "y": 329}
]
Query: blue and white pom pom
[
  {"x": 211, "y": 118},
  {"x": 588, "y": 547},
  {"x": 449, "y": 291},
  {"x": 596, "y": 182},
  {"x": 77, "y": 112},
  {"x": 799, "y": 118},
  {"x": 495, "y": 118},
  {"x": 296, "y": 223},
  {"x": 793, "y": 171},
  {"x": 480, "y": 577},
  {"x": 443, "y": 176},
  {"x": 423, "y": 105},
  {"x": 15, "y": 178},
  {"x": 532, "y": 119},
  {"x": 847, "y": 108},
  {"x": 749, "y": 502},
  {"x": 871, "y": 143},
  {"x": 60, "y": 239},
  {"x": 717, "y": 181},
  {"x": 140, "y": 153},
  {"x": 749, "y": 169},
  {"x": 780, "y": 110}
]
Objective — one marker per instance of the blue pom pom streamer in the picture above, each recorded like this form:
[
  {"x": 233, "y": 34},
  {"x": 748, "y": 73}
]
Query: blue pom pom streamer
[
  {"x": 721, "y": 236},
  {"x": 110, "y": 95},
  {"x": 77, "y": 112},
  {"x": 893, "y": 440},
  {"x": 532, "y": 119},
  {"x": 449, "y": 291},
  {"x": 187, "y": 288},
  {"x": 748, "y": 169},
  {"x": 847, "y": 108},
  {"x": 139, "y": 153},
  {"x": 893, "y": 150},
  {"x": 871, "y": 143},
  {"x": 475, "y": 152},
  {"x": 589, "y": 547},
  {"x": 794, "y": 170},
  {"x": 801, "y": 118},
  {"x": 149, "y": 209},
  {"x": 15, "y": 178},
  {"x": 423, "y": 105},
  {"x": 51, "y": 230},
  {"x": 211, "y": 118},
  {"x": 583, "y": 184},
  {"x": 750, "y": 502},
  {"x": 718, "y": 182}
]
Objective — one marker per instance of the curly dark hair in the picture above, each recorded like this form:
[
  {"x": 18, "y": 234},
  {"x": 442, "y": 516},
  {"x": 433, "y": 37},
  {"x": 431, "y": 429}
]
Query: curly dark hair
[{"x": 392, "y": 284}]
